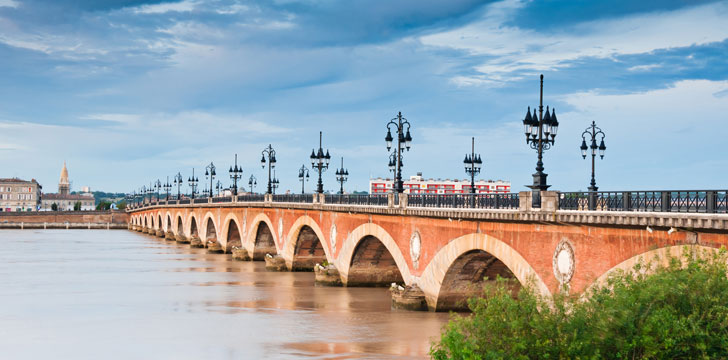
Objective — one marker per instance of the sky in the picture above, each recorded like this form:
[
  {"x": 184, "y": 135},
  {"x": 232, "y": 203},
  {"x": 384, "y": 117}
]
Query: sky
[{"x": 131, "y": 91}]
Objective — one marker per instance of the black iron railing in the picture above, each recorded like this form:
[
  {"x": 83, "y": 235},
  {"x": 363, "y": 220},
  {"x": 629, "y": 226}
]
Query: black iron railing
[
  {"x": 688, "y": 201},
  {"x": 200, "y": 201},
  {"x": 293, "y": 198},
  {"x": 184, "y": 201},
  {"x": 356, "y": 199},
  {"x": 464, "y": 201},
  {"x": 222, "y": 199},
  {"x": 251, "y": 198}
]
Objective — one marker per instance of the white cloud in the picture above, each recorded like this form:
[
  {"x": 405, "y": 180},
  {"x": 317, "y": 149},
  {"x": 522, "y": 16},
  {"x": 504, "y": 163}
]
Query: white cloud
[
  {"x": 182, "y": 6},
  {"x": 644, "y": 67},
  {"x": 515, "y": 50},
  {"x": 9, "y": 3}
]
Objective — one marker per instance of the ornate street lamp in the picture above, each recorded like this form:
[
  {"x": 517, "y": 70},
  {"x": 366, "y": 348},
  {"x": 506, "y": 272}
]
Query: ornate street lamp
[
  {"x": 178, "y": 182},
  {"x": 342, "y": 175},
  {"x": 593, "y": 132},
  {"x": 540, "y": 133},
  {"x": 205, "y": 193},
  {"x": 143, "y": 193},
  {"x": 271, "y": 164},
  {"x": 150, "y": 192},
  {"x": 219, "y": 187},
  {"x": 158, "y": 187},
  {"x": 192, "y": 182},
  {"x": 252, "y": 182},
  {"x": 274, "y": 182},
  {"x": 473, "y": 163},
  {"x": 167, "y": 187},
  {"x": 320, "y": 163},
  {"x": 302, "y": 177},
  {"x": 236, "y": 173},
  {"x": 210, "y": 172},
  {"x": 403, "y": 143}
]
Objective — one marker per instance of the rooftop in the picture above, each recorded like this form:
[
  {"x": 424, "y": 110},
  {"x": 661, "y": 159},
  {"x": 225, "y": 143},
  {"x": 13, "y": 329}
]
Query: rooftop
[{"x": 17, "y": 181}]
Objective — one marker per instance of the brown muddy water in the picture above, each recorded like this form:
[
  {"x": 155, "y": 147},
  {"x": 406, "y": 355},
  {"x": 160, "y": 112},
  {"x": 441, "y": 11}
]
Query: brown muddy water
[{"x": 100, "y": 294}]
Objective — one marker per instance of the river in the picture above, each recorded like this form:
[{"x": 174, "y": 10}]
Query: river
[{"x": 116, "y": 294}]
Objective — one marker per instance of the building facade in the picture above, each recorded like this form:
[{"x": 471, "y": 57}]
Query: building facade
[
  {"x": 19, "y": 195},
  {"x": 64, "y": 200},
  {"x": 419, "y": 185}
]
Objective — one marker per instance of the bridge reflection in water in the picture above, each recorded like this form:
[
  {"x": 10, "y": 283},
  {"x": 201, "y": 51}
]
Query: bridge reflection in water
[{"x": 80, "y": 293}]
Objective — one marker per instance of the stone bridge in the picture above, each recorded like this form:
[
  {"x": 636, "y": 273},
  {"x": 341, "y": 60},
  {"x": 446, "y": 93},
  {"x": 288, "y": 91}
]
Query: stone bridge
[{"x": 442, "y": 255}]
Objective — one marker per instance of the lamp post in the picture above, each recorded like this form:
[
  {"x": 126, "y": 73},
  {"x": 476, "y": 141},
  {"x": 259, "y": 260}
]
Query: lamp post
[
  {"x": 274, "y": 182},
  {"x": 540, "y": 133},
  {"x": 473, "y": 163},
  {"x": 167, "y": 187},
  {"x": 320, "y": 163},
  {"x": 303, "y": 176},
  {"x": 342, "y": 175},
  {"x": 403, "y": 143},
  {"x": 192, "y": 182},
  {"x": 178, "y": 183},
  {"x": 252, "y": 182},
  {"x": 143, "y": 193},
  {"x": 593, "y": 132},
  {"x": 150, "y": 192},
  {"x": 158, "y": 187},
  {"x": 236, "y": 173},
  {"x": 210, "y": 171},
  {"x": 271, "y": 164},
  {"x": 219, "y": 187}
]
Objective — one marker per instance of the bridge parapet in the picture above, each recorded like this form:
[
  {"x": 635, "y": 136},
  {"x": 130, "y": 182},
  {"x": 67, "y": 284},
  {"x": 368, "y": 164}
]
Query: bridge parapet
[{"x": 494, "y": 207}]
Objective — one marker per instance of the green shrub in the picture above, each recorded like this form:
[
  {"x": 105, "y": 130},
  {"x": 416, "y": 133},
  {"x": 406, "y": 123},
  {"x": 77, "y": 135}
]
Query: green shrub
[{"x": 676, "y": 311}]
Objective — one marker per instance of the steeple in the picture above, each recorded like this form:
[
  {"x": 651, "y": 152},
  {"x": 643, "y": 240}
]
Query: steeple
[{"x": 64, "y": 186}]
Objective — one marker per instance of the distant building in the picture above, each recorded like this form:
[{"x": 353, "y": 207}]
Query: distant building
[
  {"x": 419, "y": 185},
  {"x": 64, "y": 200},
  {"x": 19, "y": 195}
]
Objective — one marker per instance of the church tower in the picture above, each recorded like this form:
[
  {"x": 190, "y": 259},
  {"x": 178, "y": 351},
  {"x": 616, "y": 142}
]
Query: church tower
[{"x": 64, "y": 186}]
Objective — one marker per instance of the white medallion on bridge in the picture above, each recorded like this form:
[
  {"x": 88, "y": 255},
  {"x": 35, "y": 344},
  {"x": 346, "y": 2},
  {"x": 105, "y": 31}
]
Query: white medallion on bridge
[
  {"x": 333, "y": 238},
  {"x": 563, "y": 262},
  {"x": 415, "y": 248}
]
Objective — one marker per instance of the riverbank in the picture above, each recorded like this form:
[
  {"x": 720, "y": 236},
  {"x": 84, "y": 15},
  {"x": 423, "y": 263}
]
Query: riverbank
[{"x": 64, "y": 220}]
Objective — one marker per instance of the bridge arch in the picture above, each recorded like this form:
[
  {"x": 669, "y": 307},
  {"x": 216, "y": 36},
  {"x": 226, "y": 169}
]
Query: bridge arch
[
  {"x": 305, "y": 245},
  {"x": 662, "y": 255},
  {"x": 210, "y": 228},
  {"x": 261, "y": 239},
  {"x": 457, "y": 251},
  {"x": 159, "y": 220},
  {"x": 231, "y": 232},
  {"x": 168, "y": 226},
  {"x": 146, "y": 221},
  {"x": 179, "y": 228},
  {"x": 374, "y": 238},
  {"x": 194, "y": 228}
]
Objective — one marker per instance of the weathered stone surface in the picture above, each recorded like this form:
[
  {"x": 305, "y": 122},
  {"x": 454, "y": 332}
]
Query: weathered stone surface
[
  {"x": 240, "y": 254},
  {"x": 214, "y": 247},
  {"x": 275, "y": 263},
  {"x": 169, "y": 236},
  {"x": 182, "y": 239},
  {"x": 263, "y": 242},
  {"x": 160, "y": 233},
  {"x": 327, "y": 275},
  {"x": 408, "y": 297},
  {"x": 196, "y": 242},
  {"x": 308, "y": 251}
]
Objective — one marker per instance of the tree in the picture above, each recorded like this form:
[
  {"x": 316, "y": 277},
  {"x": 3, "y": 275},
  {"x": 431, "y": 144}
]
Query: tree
[
  {"x": 54, "y": 207},
  {"x": 104, "y": 205},
  {"x": 121, "y": 205},
  {"x": 77, "y": 206},
  {"x": 672, "y": 311}
]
